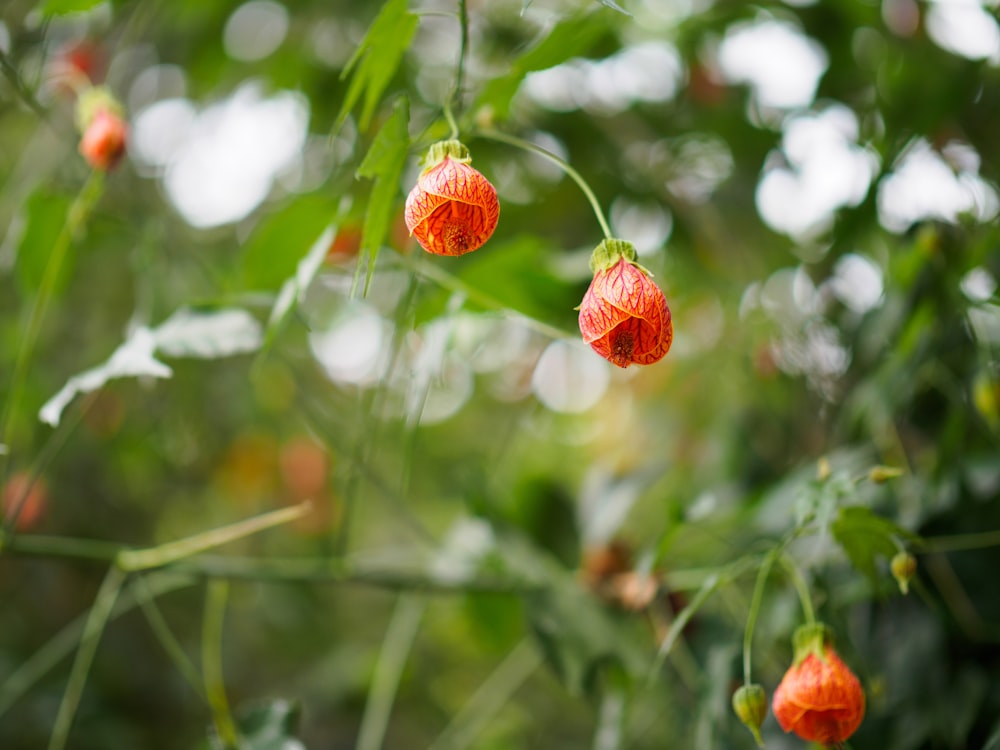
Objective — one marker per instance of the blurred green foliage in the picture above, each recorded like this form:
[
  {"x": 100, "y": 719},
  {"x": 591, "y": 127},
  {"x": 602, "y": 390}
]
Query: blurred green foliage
[{"x": 491, "y": 539}]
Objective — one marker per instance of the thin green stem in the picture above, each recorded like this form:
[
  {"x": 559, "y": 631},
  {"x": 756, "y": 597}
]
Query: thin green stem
[
  {"x": 100, "y": 612},
  {"x": 399, "y": 637},
  {"x": 755, "y": 602},
  {"x": 61, "y": 645},
  {"x": 489, "y": 698},
  {"x": 76, "y": 217},
  {"x": 801, "y": 588},
  {"x": 155, "y": 557},
  {"x": 404, "y": 577},
  {"x": 959, "y": 542},
  {"x": 216, "y": 594},
  {"x": 463, "y": 20},
  {"x": 446, "y": 280},
  {"x": 158, "y": 624},
  {"x": 496, "y": 135},
  {"x": 14, "y": 78}
]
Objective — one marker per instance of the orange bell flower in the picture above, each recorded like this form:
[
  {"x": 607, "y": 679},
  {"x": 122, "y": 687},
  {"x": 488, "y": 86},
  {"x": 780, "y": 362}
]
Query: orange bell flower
[
  {"x": 819, "y": 697},
  {"x": 453, "y": 209},
  {"x": 624, "y": 315}
]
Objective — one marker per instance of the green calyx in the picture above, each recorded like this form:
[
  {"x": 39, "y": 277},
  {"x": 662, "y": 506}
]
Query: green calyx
[
  {"x": 93, "y": 100},
  {"x": 454, "y": 150},
  {"x": 814, "y": 638},
  {"x": 609, "y": 252},
  {"x": 750, "y": 705}
]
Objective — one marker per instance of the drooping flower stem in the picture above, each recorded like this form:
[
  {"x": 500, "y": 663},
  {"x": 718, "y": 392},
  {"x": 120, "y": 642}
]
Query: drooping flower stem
[
  {"x": 496, "y": 135},
  {"x": 801, "y": 588},
  {"x": 758, "y": 596},
  {"x": 454, "y": 100}
]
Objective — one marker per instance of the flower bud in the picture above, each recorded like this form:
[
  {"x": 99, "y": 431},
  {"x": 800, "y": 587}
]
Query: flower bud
[
  {"x": 904, "y": 567},
  {"x": 750, "y": 705},
  {"x": 105, "y": 132},
  {"x": 819, "y": 698},
  {"x": 882, "y": 474},
  {"x": 453, "y": 209},
  {"x": 624, "y": 315}
]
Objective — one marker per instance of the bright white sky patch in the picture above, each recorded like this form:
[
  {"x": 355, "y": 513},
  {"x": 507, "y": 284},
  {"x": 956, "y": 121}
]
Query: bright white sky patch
[
  {"x": 255, "y": 30},
  {"x": 978, "y": 284},
  {"x": 570, "y": 377},
  {"x": 963, "y": 27},
  {"x": 351, "y": 350},
  {"x": 826, "y": 171},
  {"x": 923, "y": 186},
  {"x": 857, "y": 282},
  {"x": 160, "y": 130},
  {"x": 647, "y": 72},
  {"x": 780, "y": 63},
  {"x": 231, "y": 154}
]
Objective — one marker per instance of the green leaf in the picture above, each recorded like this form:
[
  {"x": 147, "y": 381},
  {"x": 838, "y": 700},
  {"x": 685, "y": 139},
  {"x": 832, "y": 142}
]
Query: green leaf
[
  {"x": 271, "y": 255},
  {"x": 294, "y": 287},
  {"x": 516, "y": 275},
  {"x": 864, "y": 536},
  {"x": 65, "y": 7},
  {"x": 384, "y": 163},
  {"x": 45, "y": 215},
  {"x": 570, "y": 38},
  {"x": 377, "y": 59},
  {"x": 205, "y": 335}
]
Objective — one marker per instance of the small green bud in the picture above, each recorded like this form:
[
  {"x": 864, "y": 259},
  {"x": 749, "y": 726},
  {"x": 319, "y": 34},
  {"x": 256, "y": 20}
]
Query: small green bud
[
  {"x": 750, "y": 705},
  {"x": 904, "y": 567},
  {"x": 882, "y": 474}
]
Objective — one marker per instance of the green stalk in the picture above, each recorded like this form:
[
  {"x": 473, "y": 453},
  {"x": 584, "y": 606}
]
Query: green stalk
[
  {"x": 755, "y": 602},
  {"x": 800, "y": 588},
  {"x": 158, "y": 624},
  {"x": 489, "y": 698},
  {"x": 399, "y": 637},
  {"x": 164, "y": 554},
  {"x": 96, "y": 620},
  {"x": 216, "y": 594},
  {"x": 76, "y": 217},
  {"x": 496, "y": 135}
]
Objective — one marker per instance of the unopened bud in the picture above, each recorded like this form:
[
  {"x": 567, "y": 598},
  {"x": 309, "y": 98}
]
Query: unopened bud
[
  {"x": 750, "y": 705},
  {"x": 904, "y": 567},
  {"x": 823, "y": 469},
  {"x": 881, "y": 474}
]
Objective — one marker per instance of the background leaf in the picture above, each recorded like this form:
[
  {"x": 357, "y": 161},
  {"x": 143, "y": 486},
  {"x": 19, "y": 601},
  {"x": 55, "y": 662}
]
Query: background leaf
[
  {"x": 384, "y": 163},
  {"x": 377, "y": 58}
]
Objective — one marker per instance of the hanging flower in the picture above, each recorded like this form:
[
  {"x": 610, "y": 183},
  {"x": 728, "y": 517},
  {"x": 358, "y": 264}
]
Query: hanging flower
[
  {"x": 624, "y": 315},
  {"x": 453, "y": 209},
  {"x": 105, "y": 132},
  {"x": 819, "y": 698}
]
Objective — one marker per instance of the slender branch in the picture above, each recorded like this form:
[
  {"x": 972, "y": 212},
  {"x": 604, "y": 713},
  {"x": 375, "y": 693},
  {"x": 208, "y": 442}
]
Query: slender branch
[
  {"x": 100, "y": 612},
  {"x": 959, "y": 542},
  {"x": 158, "y": 624},
  {"x": 449, "y": 281},
  {"x": 76, "y": 217},
  {"x": 755, "y": 602},
  {"x": 800, "y": 588},
  {"x": 399, "y": 637},
  {"x": 57, "y": 648},
  {"x": 20, "y": 88},
  {"x": 216, "y": 595},
  {"x": 463, "y": 20},
  {"x": 156, "y": 557},
  {"x": 490, "y": 697},
  {"x": 496, "y": 135},
  {"x": 279, "y": 570}
]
